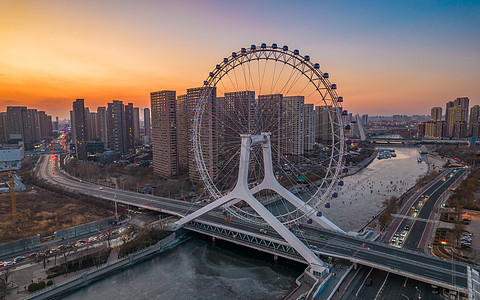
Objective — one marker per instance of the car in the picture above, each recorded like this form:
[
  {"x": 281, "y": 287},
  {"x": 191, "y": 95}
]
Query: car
[
  {"x": 368, "y": 282},
  {"x": 9, "y": 263},
  {"x": 263, "y": 231},
  {"x": 407, "y": 228},
  {"x": 100, "y": 188},
  {"x": 394, "y": 239},
  {"x": 19, "y": 258}
]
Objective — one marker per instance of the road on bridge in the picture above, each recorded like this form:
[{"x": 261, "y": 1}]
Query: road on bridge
[{"x": 374, "y": 254}]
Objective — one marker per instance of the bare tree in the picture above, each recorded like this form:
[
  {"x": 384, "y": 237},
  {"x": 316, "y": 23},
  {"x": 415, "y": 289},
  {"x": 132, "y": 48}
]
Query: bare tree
[{"x": 458, "y": 229}]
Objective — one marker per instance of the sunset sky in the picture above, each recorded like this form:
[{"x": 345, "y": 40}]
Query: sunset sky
[{"x": 387, "y": 57}]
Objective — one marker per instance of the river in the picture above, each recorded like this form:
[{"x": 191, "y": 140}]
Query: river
[{"x": 200, "y": 269}]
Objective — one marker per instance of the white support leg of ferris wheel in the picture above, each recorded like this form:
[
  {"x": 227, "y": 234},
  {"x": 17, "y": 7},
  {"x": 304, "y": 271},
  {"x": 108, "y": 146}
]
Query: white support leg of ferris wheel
[
  {"x": 242, "y": 192},
  {"x": 270, "y": 182}
]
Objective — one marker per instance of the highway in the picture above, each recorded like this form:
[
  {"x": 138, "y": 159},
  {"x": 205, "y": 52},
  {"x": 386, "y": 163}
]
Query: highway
[
  {"x": 374, "y": 254},
  {"x": 417, "y": 231}
]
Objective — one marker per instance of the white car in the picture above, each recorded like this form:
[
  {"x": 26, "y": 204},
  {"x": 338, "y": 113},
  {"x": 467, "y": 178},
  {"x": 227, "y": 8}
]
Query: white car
[{"x": 100, "y": 188}]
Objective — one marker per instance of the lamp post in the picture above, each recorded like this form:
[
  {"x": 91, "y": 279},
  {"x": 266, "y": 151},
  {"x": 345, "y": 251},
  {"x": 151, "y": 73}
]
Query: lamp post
[{"x": 405, "y": 296}]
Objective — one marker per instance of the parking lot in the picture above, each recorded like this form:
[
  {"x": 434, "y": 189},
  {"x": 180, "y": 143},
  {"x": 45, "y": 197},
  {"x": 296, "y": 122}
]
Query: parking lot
[{"x": 473, "y": 227}]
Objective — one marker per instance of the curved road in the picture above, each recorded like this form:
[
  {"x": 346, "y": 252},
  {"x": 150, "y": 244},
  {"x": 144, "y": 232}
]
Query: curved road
[{"x": 409, "y": 263}]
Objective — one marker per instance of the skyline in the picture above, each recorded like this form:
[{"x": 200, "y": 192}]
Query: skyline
[{"x": 413, "y": 59}]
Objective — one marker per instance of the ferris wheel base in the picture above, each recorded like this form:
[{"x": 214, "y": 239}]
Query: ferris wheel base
[{"x": 241, "y": 192}]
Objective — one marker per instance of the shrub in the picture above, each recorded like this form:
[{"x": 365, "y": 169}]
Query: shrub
[
  {"x": 36, "y": 286},
  {"x": 49, "y": 283}
]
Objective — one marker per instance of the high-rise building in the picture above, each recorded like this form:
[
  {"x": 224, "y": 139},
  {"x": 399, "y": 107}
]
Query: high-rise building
[
  {"x": 239, "y": 112},
  {"x": 293, "y": 127},
  {"x": 147, "y": 124},
  {"x": 309, "y": 125},
  {"x": 441, "y": 129},
  {"x": 457, "y": 117},
  {"x": 43, "y": 120},
  {"x": 136, "y": 125},
  {"x": 474, "y": 121},
  {"x": 116, "y": 126},
  {"x": 164, "y": 133},
  {"x": 3, "y": 128},
  {"x": 31, "y": 127},
  {"x": 92, "y": 125},
  {"x": 421, "y": 129},
  {"x": 436, "y": 114},
  {"x": 430, "y": 129},
  {"x": 80, "y": 129},
  {"x": 364, "y": 119},
  {"x": 102, "y": 124},
  {"x": 129, "y": 127},
  {"x": 323, "y": 131},
  {"x": 15, "y": 122},
  {"x": 270, "y": 113},
  {"x": 184, "y": 136},
  {"x": 209, "y": 131},
  {"x": 55, "y": 124}
]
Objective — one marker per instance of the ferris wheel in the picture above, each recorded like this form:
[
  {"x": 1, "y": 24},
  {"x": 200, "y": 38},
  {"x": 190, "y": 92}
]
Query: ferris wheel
[{"x": 281, "y": 94}]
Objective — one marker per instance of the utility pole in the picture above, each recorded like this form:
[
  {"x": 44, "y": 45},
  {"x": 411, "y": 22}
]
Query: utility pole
[{"x": 116, "y": 215}]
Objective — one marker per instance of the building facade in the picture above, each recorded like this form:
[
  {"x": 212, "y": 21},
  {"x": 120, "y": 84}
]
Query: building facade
[
  {"x": 309, "y": 124},
  {"x": 164, "y": 133},
  {"x": 147, "y": 124},
  {"x": 293, "y": 127},
  {"x": 116, "y": 126},
  {"x": 80, "y": 129},
  {"x": 436, "y": 114}
]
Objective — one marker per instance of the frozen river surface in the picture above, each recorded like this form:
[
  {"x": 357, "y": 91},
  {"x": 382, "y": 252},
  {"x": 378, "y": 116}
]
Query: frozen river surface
[
  {"x": 363, "y": 193},
  {"x": 197, "y": 269}
]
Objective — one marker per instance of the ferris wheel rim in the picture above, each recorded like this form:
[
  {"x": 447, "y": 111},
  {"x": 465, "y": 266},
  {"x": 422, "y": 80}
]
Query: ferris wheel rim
[{"x": 247, "y": 55}]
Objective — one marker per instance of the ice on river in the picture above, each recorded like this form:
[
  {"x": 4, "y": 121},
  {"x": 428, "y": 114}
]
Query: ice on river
[{"x": 363, "y": 193}]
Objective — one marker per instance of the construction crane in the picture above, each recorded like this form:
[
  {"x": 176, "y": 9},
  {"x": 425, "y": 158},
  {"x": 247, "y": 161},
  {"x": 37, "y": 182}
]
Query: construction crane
[{"x": 11, "y": 179}]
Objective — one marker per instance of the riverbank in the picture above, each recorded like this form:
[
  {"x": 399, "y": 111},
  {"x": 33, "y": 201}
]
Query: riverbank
[
  {"x": 361, "y": 165},
  {"x": 362, "y": 195},
  {"x": 74, "y": 281}
]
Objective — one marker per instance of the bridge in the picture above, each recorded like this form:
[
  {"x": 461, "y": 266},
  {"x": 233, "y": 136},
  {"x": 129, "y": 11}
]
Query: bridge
[
  {"x": 394, "y": 140},
  {"x": 323, "y": 242}
]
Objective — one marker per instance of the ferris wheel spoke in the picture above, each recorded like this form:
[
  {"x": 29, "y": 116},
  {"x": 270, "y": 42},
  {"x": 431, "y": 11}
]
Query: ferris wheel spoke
[{"x": 238, "y": 113}]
